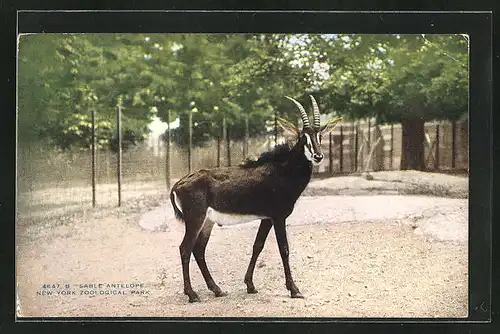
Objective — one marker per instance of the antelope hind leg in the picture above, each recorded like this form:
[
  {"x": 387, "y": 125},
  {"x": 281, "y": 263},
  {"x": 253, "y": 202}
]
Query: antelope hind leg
[{"x": 193, "y": 227}]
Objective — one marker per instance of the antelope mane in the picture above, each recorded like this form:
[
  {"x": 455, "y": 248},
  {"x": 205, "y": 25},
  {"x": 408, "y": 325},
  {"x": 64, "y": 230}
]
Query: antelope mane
[{"x": 279, "y": 154}]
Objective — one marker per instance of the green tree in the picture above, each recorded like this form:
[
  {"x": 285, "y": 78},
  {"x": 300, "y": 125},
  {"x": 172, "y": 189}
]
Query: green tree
[
  {"x": 406, "y": 79},
  {"x": 81, "y": 73},
  {"x": 35, "y": 64}
]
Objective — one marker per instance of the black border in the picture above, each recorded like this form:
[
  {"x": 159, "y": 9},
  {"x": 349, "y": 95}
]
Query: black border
[
  {"x": 477, "y": 25},
  {"x": 172, "y": 21}
]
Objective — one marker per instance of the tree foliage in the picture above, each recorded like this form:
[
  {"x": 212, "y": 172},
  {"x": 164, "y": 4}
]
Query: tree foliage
[{"x": 395, "y": 78}]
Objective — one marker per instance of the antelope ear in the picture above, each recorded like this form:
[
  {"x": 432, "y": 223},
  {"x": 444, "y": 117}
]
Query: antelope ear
[
  {"x": 288, "y": 127},
  {"x": 328, "y": 127}
]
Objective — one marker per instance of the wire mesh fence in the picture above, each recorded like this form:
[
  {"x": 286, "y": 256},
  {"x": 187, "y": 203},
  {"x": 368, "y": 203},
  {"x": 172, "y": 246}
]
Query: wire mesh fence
[{"x": 50, "y": 179}]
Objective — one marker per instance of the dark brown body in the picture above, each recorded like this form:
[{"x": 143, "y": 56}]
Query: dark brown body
[
  {"x": 264, "y": 190},
  {"x": 267, "y": 188}
]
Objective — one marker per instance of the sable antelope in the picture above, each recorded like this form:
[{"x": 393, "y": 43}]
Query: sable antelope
[{"x": 265, "y": 189}]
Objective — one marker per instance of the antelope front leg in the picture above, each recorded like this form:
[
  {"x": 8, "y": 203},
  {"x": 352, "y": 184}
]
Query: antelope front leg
[
  {"x": 199, "y": 255},
  {"x": 280, "y": 231},
  {"x": 260, "y": 240}
]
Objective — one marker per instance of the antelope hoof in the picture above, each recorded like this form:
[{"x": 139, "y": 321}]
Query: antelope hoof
[
  {"x": 220, "y": 293},
  {"x": 193, "y": 298},
  {"x": 297, "y": 295},
  {"x": 251, "y": 290}
]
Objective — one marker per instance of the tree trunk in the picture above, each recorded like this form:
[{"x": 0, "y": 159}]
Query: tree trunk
[{"x": 413, "y": 138}]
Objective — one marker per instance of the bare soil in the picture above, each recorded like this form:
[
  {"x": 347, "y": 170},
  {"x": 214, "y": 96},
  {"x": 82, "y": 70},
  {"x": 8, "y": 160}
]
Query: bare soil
[{"x": 373, "y": 252}]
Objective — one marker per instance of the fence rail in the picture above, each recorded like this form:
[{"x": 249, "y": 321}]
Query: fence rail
[
  {"x": 351, "y": 147},
  {"x": 362, "y": 146}
]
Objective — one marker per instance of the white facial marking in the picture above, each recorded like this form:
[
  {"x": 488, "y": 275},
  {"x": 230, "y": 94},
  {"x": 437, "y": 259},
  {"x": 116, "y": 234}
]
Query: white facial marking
[
  {"x": 227, "y": 219},
  {"x": 308, "y": 139},
  {"x": 308, "y": 148}
]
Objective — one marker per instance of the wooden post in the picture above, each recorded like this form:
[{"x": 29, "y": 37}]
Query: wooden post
[
  {"x": 436, "y": 154},
  {"x": 341, "y": 150},
  {"x": 119, "y": 156},
  {"x": 275, "y": 129},
  {"x": 368, "y": 145},
  {"x": 224, "y": 134},
  {"x": 167, "y": 153},
  {"x": 391, "y": 161},
  {"x": 247, "y": 135},
  {"x": 190, "y": 139},
  {"x": 228, "y": 146},
  {"x": 221, "y": 134},
  {"x": 93, "y": 157},
  {"x": 356, "y": 144},
  {"x": 378, "y": 160},
  {"x": 391, "y": 150},
  {"x": 107, "y": 166},
  {"x": 453, "y": 143},
  {"x": 330, "y": 154}
]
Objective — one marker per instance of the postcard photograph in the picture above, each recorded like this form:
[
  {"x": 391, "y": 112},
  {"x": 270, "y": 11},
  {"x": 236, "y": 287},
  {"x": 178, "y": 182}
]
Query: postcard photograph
[{"x": 242, "y": 175}]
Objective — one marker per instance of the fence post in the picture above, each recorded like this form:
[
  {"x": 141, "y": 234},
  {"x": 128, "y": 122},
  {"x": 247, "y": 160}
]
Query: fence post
[
  {"x": 245, "y": 143},
  {"x": 453, "y": 143},
  {"x": 167, "y": 153},
  {"x": 219, "y": 136},
  {"x": 275, "y": 129},
  {"x": 190, "y": 137},
  {"x": 368, "y": 145},
  {"x": 218, "y": 148},
  {"x": 341, "y": 151},
  {"x": 379, "y": 157},
  {"x": 330, "y": 154},
  {"x": 436, "y": 154},
  {"x": 228, "y": 146},
  {"x": 391, "y": 161},
  {"x": 119, "y": 156},
  {"x": 93, "y": 156},
  {"x": 224, "y": 131},
  {"x": 356, "y": 143}
]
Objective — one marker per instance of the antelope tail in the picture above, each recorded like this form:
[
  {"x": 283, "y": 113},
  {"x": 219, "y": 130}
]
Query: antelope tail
[{"x": 176, "y": 205}]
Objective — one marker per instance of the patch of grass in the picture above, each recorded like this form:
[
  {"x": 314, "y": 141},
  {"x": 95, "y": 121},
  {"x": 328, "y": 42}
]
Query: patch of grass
[
  {"x": 321, "y": 191},
  {"x": 430, "y": 189}
]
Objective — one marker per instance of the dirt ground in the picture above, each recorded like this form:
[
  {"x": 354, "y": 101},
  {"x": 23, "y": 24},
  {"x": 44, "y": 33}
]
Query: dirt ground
[{"x": 358, "y": 248}]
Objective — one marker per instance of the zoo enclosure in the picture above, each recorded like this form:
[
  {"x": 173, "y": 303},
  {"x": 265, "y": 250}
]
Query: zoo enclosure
[{"x": 47, "y": 176}]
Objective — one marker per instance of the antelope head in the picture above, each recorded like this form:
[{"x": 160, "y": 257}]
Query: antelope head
[{"x": 309, "y": 138}]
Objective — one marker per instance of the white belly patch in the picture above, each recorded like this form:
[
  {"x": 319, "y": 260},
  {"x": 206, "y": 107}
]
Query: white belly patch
[{"x": 225, "y": 219}]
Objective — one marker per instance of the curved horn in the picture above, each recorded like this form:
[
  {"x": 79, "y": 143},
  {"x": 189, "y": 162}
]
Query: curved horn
[
  {"x": 303, "y": 113},
  {"x": 316, "y": 123}
]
